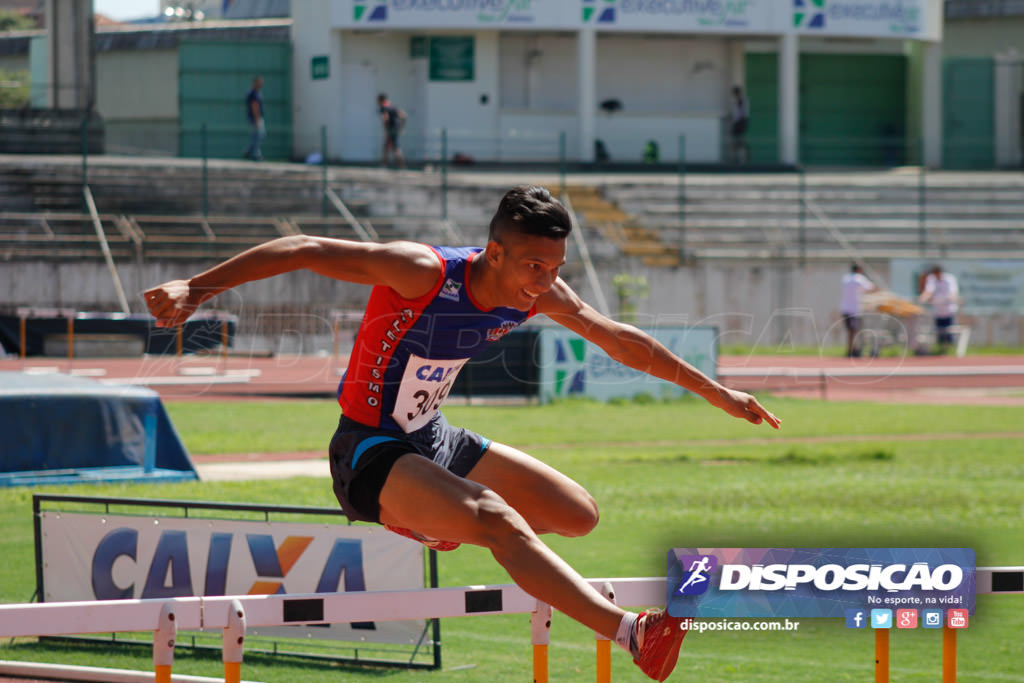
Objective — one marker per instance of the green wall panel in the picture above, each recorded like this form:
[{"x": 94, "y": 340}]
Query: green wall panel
[
  {"x": 852, "y": 109},
  {"x": 213, "y": 80},
  {"x": 968, "y": 118},
  {"x": 763, "y": 95}
]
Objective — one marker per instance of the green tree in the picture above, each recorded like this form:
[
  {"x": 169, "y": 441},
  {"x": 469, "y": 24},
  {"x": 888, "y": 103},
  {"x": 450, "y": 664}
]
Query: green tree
[
  {"x": 15, "y": 21},
  {"x": 629, "y": 289},
  {"x": 14, "y": 89}
]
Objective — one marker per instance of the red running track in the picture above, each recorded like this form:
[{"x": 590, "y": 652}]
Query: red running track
[{"x": 933, "y": 379}]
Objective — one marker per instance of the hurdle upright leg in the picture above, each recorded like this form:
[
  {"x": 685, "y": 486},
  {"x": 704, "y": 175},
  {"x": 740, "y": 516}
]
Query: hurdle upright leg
[
  {"x": 163, "y": 644},
  {"x": 234, "y": 636},
  {"x": 71, "y": 340},
  {"x": 21, "y": 338},
  {"x": 540, "y": 636},
  {"x": 881, "y": 655},
  {"x": 604, "y": 645},
  {"x": 948, "y": 654}
]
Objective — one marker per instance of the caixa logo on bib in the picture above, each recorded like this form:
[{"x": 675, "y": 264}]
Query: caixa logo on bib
[
  {"x": 815, "y": 582},
  {"x": 118, "y": 567}
]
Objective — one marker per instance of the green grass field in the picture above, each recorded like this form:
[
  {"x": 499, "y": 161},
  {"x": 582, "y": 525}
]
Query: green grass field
[{"x": 665, "y": 475}]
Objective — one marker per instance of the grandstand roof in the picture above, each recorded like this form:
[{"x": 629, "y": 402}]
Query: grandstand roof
[
  {"x": 162, "y": 36},
  {"x": 979, "y": 9}
]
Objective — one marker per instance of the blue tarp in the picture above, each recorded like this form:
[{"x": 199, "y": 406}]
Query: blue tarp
[{"x": 63, "y": 429}]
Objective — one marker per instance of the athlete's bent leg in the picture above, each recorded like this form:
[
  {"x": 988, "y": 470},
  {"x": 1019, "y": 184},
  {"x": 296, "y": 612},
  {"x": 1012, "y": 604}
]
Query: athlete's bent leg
[
  {"x": 548, "y": 500},
  {"x": 423, "y": 496}
]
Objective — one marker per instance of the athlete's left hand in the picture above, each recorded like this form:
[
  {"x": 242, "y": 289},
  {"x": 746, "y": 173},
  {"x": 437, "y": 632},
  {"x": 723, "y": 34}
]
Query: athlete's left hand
[{"x": 743, "y": 405}]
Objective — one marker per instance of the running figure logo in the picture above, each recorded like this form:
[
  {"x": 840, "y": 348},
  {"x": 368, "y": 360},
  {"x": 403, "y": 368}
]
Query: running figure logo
[{"x": 696, "y": 573}]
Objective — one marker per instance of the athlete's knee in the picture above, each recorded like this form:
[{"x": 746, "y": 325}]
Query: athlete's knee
[
  {"x": 498, "y": 522},
  {"x": 581, "y": 518}
]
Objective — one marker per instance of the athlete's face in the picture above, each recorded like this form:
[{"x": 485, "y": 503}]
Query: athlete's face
[{"x": 527, "y": 267}]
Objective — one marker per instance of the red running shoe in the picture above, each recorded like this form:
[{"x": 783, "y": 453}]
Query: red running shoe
[
  {"x": 658, "y": 637},
  {"x": 431, "y": 543}
]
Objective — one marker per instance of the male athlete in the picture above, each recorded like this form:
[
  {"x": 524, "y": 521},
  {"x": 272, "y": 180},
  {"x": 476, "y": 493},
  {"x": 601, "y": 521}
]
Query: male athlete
[{"x": 396, "y": 461}]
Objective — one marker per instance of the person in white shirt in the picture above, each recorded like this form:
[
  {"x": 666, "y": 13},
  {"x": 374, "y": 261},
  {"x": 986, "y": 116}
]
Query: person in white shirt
[
  {"x": 943, "y": 293},
  {"x": 854, "y": 284}
]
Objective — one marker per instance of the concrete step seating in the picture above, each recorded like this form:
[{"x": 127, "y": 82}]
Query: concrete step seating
[
  {"x": 59, "y": 235},
  {"x": 631, "y": 236},
  {"x": 157, "y": 210},
  {"x": 172, "y": 189},
  {"x": 879, "y": 216}
]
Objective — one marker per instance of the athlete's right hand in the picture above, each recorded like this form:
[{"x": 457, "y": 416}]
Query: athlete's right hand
[{"x": 172, "y": 302}]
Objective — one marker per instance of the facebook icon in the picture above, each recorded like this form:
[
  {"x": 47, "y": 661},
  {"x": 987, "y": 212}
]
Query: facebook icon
[{"x": 856, "y": 618}]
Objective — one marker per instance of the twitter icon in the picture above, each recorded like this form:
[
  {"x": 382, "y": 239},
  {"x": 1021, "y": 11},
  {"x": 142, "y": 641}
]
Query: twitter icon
[{"x": 881, "y": 618}]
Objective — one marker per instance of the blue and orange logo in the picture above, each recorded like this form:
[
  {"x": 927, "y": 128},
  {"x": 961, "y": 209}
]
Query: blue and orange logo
[{"x": 274, "y": 563}]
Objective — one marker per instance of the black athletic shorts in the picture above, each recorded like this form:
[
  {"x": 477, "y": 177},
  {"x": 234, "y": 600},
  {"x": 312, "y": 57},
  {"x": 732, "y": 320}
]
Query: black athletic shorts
[{"x": 362, "y": 458}]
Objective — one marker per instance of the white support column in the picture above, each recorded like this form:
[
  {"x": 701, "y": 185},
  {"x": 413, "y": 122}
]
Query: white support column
[
  {"x": 69, "y": 30},
  {"x": 586, "y": 52},
  {"x": 316, "y": 103},
  {"x": 931, "y": 105},
  {"x": 737, "y": 67},
  {"x": 789, "y": 98},
  {"x": 1008, "y": 68}
]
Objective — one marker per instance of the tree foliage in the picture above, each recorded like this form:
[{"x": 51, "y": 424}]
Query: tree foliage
[
  {"x": 15, "y": 21},
  {"x": 14, "y": 89}
]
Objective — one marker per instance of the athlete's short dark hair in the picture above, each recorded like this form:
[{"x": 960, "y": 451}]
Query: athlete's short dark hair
[{"x": 530, "y": 210}]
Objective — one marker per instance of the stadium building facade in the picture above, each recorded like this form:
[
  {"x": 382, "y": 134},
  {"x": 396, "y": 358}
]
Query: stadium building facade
[{"x": 843, "y": 82}]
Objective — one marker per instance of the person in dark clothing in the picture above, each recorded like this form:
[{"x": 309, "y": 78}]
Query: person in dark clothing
[
  {"x": 393, "y": 120},
  {"x": 254, "y": 112},
  {"x": 739, "y": 118}
]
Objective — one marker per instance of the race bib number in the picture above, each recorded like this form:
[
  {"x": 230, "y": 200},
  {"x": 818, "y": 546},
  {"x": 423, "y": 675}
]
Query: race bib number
[{"x": 425, "y": 385}]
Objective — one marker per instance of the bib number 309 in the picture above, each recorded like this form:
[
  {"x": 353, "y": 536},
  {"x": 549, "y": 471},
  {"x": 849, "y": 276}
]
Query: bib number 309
[{"x": 425, "y": 385}]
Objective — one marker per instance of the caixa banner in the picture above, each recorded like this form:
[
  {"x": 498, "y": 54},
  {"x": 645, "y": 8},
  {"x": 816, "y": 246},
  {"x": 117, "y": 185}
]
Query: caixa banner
[
  {"x": 817, "y": 582},
  {"x": 108, "y": 557}
]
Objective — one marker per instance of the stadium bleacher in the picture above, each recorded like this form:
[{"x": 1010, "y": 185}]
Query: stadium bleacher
[
  {"x": 182, "y": 210},
  {"x": 882, "y": 214}
]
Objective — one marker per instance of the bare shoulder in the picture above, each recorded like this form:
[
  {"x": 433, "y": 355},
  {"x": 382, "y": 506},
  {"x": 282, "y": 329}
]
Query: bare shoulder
[
  {"x": 565, "y": 307},
  {"x": 414, "y": 254},
  {"x": 410, "y": 268},
  {"x": 561, "y": 299}
]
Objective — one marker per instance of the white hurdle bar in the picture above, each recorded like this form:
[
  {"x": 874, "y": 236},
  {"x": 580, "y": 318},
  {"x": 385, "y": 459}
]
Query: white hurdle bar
[
  {"x": 200, "y": 613},
  {"x": 233, "y": 614}
]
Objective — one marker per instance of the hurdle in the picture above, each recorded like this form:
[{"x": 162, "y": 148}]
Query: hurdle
[
  {"x": 233, "y": 614},
  {"x": 988, "y": 581}
]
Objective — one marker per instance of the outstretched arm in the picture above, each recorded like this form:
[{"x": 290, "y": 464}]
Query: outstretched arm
[
  {"x": 637, "y": 349},
  {"x": 409, "y": 268}
]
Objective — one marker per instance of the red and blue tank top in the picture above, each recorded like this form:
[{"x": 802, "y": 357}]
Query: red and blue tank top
[{"x": 408, "y": 352}]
